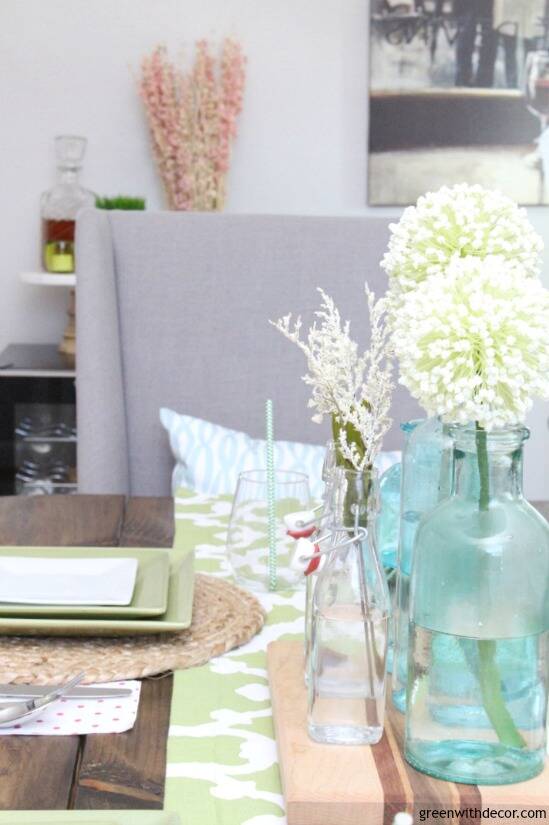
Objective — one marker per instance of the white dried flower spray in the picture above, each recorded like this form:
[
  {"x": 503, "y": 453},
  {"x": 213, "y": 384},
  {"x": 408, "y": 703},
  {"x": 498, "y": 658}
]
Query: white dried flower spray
[
  {"x": 474, "y": 345},
  {"x": 355, "y": 390},
  {"x": 457, "y": 222}
]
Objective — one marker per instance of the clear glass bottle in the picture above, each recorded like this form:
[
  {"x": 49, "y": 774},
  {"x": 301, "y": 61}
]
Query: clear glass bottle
[
  {"x": 328, "y": 477},
  {"x": 479, "y": 611},
  {"x": 60, "y": 205},
  {"x": 426, "y": 480},
  {"x": 388, "y": 528},
  {"x": 351, "y": 611}
]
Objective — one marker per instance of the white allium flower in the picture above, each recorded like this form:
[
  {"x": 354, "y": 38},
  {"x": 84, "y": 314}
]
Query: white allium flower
[
  {"x": 457, "y": 222},
  {"x": 354, "y": 389},
  {"x": 474, "y": 345}
]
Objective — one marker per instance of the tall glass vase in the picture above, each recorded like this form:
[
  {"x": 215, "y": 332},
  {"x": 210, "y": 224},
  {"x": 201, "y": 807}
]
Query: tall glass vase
[
  {"x": 479, "y": 620},
  {"x": 426, "y": 477}
]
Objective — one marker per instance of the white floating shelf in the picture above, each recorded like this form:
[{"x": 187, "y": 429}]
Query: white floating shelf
[{"x": 48, "y": 279}]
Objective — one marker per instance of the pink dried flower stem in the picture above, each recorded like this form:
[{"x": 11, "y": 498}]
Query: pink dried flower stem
[{"x": 193, "y": 121}]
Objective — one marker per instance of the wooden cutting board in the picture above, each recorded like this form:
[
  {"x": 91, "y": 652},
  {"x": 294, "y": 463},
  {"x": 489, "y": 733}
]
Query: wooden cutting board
[{"x": 345, "y": 785}]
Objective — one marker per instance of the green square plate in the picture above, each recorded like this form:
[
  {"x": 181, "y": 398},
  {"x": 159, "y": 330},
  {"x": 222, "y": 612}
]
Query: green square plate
[
  {"x": 89, "y": 818},
  {"x": 150, "y": 595},
  {"x": 178, "y": 614}
]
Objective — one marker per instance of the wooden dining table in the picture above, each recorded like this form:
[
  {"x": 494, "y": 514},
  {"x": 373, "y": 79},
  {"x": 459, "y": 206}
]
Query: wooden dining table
[
  {"x": 117, "y": 770},
  {"x": 103, "y": 771}
]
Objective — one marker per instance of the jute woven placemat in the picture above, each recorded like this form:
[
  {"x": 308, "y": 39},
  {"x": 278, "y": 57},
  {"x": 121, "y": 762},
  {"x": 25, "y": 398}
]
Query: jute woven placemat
[{"x": 224, "y": 617}]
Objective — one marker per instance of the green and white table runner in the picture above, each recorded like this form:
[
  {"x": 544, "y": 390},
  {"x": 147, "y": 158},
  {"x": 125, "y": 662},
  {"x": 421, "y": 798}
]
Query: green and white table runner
[{"x": 222, "y": 766}]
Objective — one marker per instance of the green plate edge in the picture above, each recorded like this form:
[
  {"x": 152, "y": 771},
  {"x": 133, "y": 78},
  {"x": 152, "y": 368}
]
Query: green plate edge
[
  {"x": 82, "y": 817},
  {"x": 157, "y": 600},
  {"x": 178, "y": 615}
]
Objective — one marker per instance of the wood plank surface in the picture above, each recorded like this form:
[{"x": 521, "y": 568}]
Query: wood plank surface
[
  {"x": 148, "y": 522},
  {"x": 61, "y": 520},
  {"x": 36, "y": 772},
  {"x": 128, "y": 770},
  {"x": 324, "y": 784}
]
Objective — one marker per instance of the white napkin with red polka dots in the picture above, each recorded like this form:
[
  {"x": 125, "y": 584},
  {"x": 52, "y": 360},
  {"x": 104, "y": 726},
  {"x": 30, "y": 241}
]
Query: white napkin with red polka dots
[{"x": 71, "y": 717}]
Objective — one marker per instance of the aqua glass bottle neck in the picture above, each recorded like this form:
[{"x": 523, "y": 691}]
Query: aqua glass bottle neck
[
  {"x": 408, "y": 427},
  {"x": 488, "y": 465}
]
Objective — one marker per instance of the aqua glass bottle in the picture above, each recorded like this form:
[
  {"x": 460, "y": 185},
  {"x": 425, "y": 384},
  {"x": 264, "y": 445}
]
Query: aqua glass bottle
[
  {"x": 426, "y": 476},
  {"x": 388, "y": 521},
  {"x": 479, "y": 620}
]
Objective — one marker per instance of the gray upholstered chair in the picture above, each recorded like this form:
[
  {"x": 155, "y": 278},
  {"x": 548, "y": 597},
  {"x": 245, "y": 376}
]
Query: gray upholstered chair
[{"x": 173, "y": 309}]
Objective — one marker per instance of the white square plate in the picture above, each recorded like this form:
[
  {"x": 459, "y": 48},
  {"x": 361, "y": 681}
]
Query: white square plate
[{"x": 89, "y": 581}]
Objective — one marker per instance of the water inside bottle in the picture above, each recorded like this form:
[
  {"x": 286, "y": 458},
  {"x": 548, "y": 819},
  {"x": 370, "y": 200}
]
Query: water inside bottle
[
  {"x": 476, "y": 707},
  {"x": 348, "y": 659}
]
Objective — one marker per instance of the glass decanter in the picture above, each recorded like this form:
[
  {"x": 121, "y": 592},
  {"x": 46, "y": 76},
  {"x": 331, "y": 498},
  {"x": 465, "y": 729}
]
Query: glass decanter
[
  {"x": 426, "y": 480},
  {"x": 351, "y": 609},
  {"x": 479, "y": 620},
  {"x": 60, "y": 205}
]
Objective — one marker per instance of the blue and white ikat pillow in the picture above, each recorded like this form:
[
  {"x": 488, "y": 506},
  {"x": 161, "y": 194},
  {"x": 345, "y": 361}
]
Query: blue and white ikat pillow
[{"x": 208, "y": 457}]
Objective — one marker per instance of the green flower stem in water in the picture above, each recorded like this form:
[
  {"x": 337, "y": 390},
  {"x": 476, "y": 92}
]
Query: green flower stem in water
[
  {"x": 488, "y": 675},
  {"x": 483, "y": 469},
  {"x": 492, "y": 697},
  {"x": 353, "y": 437},
  {"x": 356, "y": 496}
]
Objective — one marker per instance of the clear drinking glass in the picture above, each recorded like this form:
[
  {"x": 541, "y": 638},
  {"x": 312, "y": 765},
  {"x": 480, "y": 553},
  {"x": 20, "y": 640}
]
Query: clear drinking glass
[
  {"x": 351, "y": 608},
  {"x": 479, "y": 621},
  {"x": 248, "y": 533}
]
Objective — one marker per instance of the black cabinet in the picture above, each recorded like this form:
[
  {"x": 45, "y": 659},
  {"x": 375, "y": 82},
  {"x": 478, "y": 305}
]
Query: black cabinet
[{"x": 37, "y": 421}]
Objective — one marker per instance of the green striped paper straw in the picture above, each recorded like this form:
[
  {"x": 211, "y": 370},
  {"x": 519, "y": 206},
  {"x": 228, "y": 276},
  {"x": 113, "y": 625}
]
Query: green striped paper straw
[{"x": 270, "y": 493}]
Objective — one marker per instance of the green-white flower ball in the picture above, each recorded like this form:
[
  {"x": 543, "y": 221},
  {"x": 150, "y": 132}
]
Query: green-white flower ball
[
  {"x": 458, "y": 222},
  {"x": 473, "y": 344}
]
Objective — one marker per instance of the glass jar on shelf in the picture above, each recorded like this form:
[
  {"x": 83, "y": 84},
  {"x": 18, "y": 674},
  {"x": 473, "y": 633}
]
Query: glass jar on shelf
[{"x": 61, "y": 204}]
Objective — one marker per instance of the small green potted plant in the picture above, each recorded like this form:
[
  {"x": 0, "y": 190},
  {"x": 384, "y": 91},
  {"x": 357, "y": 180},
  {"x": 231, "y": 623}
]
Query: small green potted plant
[{"x": 125, "y": 202}]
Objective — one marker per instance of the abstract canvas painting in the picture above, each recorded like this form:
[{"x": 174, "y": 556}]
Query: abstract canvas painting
[{"x": 459, "y": 92}]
